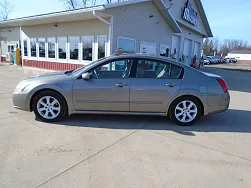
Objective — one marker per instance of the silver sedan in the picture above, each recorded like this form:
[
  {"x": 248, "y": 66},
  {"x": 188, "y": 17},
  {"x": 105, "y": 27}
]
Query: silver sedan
[{"x": 125, "y": 84}]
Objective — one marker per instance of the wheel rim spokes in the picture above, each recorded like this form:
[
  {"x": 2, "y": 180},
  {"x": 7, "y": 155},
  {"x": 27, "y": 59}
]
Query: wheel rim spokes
[
  {"x": 186, "y": 111},
  {"x": 48, "y": 107}
]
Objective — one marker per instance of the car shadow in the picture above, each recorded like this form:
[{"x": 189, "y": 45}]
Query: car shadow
[{"x": 237, "y": 121}]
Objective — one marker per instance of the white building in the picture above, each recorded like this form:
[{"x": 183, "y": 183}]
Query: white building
[
  {"x": 69, "y": 39},
  {"x": 240, "y": 54}
]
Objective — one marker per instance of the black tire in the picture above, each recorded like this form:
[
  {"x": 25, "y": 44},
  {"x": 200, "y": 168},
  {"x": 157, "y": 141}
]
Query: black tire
[
  {"x": 63, "y": 106},
  {"x": 178, "y": 101}
]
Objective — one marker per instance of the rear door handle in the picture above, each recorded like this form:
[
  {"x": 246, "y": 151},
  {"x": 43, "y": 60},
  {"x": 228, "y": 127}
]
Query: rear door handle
[
  {"x": 121, "y": 85},
  {"x": 170, "y": 84}
]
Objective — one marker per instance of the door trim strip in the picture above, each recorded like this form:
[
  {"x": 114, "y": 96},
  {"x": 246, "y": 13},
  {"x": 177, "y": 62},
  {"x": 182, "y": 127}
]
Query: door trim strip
[
  {"x": 146, "y": 102},
  {"x": 100, "y": 101},
  {"x": 118, "y": 112}
]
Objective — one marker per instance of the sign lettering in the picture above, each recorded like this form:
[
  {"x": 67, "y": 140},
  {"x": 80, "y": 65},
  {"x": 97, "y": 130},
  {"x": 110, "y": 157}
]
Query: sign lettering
[{"x": 189, "y": 13}]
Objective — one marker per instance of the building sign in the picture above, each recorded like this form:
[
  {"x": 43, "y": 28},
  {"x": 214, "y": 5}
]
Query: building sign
[{"x": 189, "y": 13}]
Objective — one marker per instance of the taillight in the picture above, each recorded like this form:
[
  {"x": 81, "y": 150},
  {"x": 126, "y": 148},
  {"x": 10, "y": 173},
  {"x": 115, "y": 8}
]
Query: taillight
[{"x": 223, "y": 85}]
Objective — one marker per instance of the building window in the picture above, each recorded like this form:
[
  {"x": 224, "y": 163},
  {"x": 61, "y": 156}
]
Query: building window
[
  {"x": 51, "y": 47},
  {"x": 41, "y": 47},
  {"x": 175, "y": 52},
  {"x": 164, "y": 50},
  {"x": 62, "y": 47},
  {"x": 148, "y": 48},
  {"x": 33, "y": 47},
  {"x": 25, "y": 47},
  {"x": 101, "y": 46},
  {"x": 127, "y": 45},
  {"x": 10, "y": 47},
  {"x": 74, "y": 45},
  {"x": 87, "y": 48}
]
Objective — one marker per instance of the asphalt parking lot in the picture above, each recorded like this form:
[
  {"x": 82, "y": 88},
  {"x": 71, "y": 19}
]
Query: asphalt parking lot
[
  {"x": 240, "y": 65},
  {"x": 125, "y": 151}
]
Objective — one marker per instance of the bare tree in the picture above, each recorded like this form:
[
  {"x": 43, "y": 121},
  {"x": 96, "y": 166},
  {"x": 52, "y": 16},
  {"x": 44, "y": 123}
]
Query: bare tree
[
  {"x": 216, "y": 44},
  {"x": 71, "y": 4},
  {"x": 84, "y": 3},
  {"x": 74, "y": 4},
  {"x": 5, "y": 10},
  {"x": 94, "y": 2},
  {"x": 208, "y": 46},
  {"x": 213, "y": 46},
  {"x": 229, "y": 45}
]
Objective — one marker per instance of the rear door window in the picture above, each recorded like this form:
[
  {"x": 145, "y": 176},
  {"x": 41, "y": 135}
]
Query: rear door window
[
  {"x": 157, "y": 69},
  {"x": 176, "y": 72}
]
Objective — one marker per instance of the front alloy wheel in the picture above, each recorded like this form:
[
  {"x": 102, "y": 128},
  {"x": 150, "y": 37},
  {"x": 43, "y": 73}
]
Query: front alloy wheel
[{"x": 49, "y": 106}]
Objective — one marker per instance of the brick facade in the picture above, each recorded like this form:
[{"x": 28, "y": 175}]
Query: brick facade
[
  {"x": 50, "y": 65},
  {"x": 3, "y": 59}
]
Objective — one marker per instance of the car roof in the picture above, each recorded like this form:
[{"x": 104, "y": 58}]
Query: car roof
[
  {"x": 145, "y": 56},
  {"x": 136, "y": 56}
]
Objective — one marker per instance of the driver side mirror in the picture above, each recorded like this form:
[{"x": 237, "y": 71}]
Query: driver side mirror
[{"x": 86, "y": 76}]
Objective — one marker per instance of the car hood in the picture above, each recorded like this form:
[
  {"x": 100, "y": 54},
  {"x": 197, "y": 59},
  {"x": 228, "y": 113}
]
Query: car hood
[
  {"x": 48, "y": 77},
  {"x": 48, "y": 74},
  {"x": 211, "y": 75}
]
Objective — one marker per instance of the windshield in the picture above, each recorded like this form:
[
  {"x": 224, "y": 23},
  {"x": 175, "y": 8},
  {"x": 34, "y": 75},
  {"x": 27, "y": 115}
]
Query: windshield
[{"x": 76, "y": 71}]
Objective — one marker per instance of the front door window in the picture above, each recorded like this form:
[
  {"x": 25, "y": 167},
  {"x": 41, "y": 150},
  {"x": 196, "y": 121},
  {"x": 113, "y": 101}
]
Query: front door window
[{"x": 113, "y": 69}]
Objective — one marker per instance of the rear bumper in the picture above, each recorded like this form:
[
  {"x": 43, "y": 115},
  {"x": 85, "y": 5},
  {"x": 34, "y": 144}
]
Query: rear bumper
[
  {"x": 20, "y": 101},
  {"x": 222, "y": 104},
  {"x": 216, "y": 109}
]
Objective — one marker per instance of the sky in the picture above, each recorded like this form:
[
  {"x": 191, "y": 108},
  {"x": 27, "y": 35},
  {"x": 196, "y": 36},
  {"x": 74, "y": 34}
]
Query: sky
[{"x": 229, "y": 19}]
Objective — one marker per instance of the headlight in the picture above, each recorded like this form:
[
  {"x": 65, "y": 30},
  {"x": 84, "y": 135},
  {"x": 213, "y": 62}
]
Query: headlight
[{"x": 21, "y": 87}]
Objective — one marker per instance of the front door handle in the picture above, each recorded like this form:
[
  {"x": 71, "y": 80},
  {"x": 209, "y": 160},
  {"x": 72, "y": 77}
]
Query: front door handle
[
  {"x": 170, "y": 84},
  {"x": 121, "y": 85}
]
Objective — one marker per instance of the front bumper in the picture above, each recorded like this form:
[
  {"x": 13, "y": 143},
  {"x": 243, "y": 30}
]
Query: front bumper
[{"x": 20, "y": 101}]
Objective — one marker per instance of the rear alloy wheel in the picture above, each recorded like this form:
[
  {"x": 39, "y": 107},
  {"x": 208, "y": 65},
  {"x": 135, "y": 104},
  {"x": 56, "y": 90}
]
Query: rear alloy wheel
[
  {"x": 49, "y": 106},
  {"x": 185, "y": 111}
]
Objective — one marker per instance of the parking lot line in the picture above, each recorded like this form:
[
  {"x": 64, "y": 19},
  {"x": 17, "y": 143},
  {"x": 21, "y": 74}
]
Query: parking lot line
[
  {"x": 202, "y": 146},
  {"x": 5, "y": 93},
  {"x": 20, "y": 114}
]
